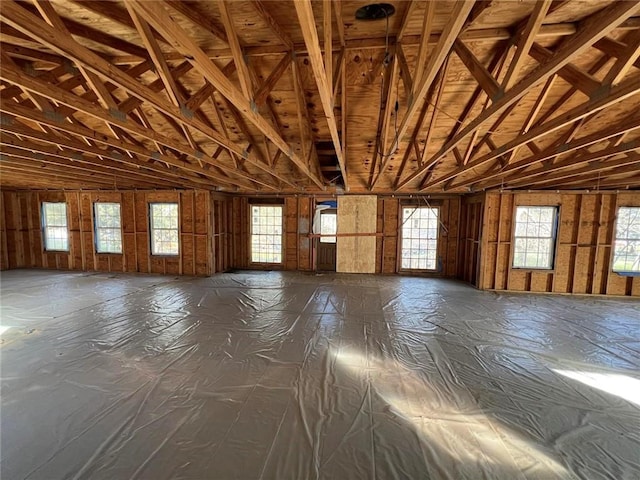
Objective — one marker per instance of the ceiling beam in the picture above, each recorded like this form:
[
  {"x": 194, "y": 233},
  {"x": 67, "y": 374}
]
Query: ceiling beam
[
  {"x": 421, "y": 60},
  {"x": 382, "y": 149},
  {"x": 591, "y": 30},
  {"x": 61, "y": 96},
  {"x": 478, "y": 70},
  {"x": 451, "y": 31},
  {"x": 616, "y": 95},
  {"x": 47, "y": 154},
  {"x": 327, "y": 45},
  {"x": 576, "y": 77},
  {"x": 552, "y": 175},
  {"x": 236, "y": 50},
  {"x": 525, "y": 42},
  {"x": 627, "y": 126},
  {"x": 156, "y": 14},
  {"x": 267, "y": 86},
  {"x": 626, "y": 60},
  {"x": 75, "y": 144},
  {"x": 21, "y": 19},
  {"x": 310, "y": 34}
]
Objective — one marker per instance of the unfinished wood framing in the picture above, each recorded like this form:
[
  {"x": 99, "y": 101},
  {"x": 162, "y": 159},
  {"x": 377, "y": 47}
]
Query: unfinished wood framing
[
  {"x": 25, "y": 248},
  {"x": 583, "y": 249}
]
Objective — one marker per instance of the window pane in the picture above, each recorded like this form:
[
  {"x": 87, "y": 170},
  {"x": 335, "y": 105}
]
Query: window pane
[
  {"x": 54, "y": 222},
  {"x": 108, "y": 232},
  {"x": 328, "y": 226},
  {"x": 266, "y": 234},
  {"x": 534, "y": 237},
  {"x": 164, "y": 229},
  {"x": 419, "y": 238},
  {"x": 626, "y": 250}
]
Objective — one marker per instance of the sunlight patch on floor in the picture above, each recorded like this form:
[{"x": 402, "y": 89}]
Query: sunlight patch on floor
[
  {"x": 622, "y": 386},
  {"x": 448, "y": 418}
]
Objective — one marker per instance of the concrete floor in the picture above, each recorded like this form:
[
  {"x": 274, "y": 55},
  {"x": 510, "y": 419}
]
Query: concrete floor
[{"x": 297, "y": 376}]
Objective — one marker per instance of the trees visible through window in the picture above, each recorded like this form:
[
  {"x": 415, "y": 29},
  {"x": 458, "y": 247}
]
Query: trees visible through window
[
  {"x": 419, "y": 238},
  {"x": 54, "y": 223},
  {"x": 108, "y": 227},
  {"x": 534, "y": 237},
  {"x": 626, "y": 253},
  {"x": 164, "y": 228},
  {"x": 266, "y": 233}
]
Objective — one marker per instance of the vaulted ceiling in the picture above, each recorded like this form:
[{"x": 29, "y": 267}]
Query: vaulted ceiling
[{"x": 247, "y": 96}]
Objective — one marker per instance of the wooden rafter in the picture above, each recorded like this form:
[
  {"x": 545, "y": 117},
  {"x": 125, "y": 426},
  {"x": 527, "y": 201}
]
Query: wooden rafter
[
  {"x": 437, "y": 58},
  {"x": 236, "y": 49},
  {"x": 382, "y": 148},
  {"x": 525, "y": 42},
  {"x": 61, "y": 96},
  {"x": 21, "y": 19},
  {"x": 307, "y": 23},
  {"x": 584, "y": 142},
  {"x": 482, "y": 75},
  {"x": 593, "y": 29},
  {"x": 156, "y": 14},
  {"x": 626, "y": 60},
  {"x": 421, "y": 60}
]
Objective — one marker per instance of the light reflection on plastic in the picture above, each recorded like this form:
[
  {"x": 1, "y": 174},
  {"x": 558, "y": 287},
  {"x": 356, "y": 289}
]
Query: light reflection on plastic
[
  {"x": 4, "y": 328},
  {"x": 621, "y": 386},
  {"x": 437, "y": 416}
]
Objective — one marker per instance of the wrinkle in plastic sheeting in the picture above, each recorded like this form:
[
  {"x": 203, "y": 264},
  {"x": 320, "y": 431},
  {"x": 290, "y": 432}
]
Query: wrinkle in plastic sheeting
[{"x": 295, "y": 376}]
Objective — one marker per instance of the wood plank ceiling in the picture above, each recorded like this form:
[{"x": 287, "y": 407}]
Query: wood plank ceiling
[{"x": 247, "y": 96}]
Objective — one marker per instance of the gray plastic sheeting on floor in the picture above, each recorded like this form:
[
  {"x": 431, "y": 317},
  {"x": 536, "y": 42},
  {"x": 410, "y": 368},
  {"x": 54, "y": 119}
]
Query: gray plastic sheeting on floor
[{"x": 294, "y": 376}]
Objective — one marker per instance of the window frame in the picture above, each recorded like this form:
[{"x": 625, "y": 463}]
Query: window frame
[
  {"x": 615, "y": 240},
  {"x": 554, "y": 239},
  {"x": 251, "y": 234},
  {"x": 152, "y": 229},
  {"x": 438, "y": 210},
  {"x": 97, "y": 228},
  {"x": 45, "y": 226}
]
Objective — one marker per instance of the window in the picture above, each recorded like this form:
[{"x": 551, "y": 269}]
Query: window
[
  {"x": 534, "y": 237},
  {"x": 54, "y": 223},
  {"x": 266, "y": 233},
  {"x": 164, "y": 228},
  {"x": 328, "y": 226},
  {"x": 107, "y": 226},
  {"x": 626, "y": 252},
  {"x": 419, "y": 238}
]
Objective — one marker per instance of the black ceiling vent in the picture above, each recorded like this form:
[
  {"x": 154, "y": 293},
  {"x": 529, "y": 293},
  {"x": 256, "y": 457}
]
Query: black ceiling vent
[{"x": 375, "y": 11}]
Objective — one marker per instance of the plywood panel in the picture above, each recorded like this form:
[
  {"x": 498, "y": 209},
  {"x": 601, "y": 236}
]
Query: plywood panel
[{"x": 357, "y": 215}]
